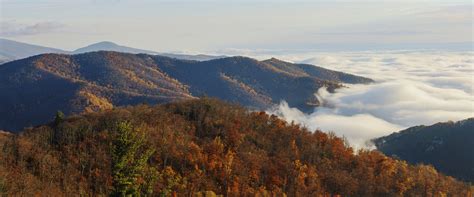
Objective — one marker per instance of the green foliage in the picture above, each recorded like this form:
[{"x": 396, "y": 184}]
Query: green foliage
[
  {"x": 58, "y": 118},
  {"x": 3, "y": 187},
  {"x": 130, "y": 162}
]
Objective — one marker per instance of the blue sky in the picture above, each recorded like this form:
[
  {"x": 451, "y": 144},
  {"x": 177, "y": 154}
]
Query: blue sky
[{"x": 206, "y": 26}]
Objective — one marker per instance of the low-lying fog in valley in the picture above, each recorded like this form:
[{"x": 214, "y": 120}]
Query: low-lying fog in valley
[{"x": 412, "y": 88}]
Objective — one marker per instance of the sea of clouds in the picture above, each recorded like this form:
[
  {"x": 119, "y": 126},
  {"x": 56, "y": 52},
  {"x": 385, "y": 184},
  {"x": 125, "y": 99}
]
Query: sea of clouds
[{"x": 412, "y": 88}]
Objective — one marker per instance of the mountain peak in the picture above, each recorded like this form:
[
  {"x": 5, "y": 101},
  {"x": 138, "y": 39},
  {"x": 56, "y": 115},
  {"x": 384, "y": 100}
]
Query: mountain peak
[
  {"x": 12, "y": 50},
  {"x": 275, "y": 60},
  {"x": 110, "y": 46},
  {"x": 104, "y": 44}
]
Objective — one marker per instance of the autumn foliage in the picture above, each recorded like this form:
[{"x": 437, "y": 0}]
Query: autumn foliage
[{"x": 192, "y": 148}]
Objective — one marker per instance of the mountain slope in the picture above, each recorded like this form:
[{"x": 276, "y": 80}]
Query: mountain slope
[
  {"x": 447, "y": 146},
  {"x": 110, "y": 46},
  {"x": 316, "y": 71},
  {"x": 38, "y": 86},
  {"x": 202, "y": 146},
  {"x": 265, "y": 83},
  {"x": 12, "y": 50}
]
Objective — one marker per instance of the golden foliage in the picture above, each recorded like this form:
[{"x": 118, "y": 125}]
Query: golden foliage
[{"x": 209, "y": 148}]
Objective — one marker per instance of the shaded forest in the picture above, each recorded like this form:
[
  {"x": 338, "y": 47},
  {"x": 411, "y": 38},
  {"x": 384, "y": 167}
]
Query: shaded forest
[
  {"x": 448, "y": 146},
  {"x": 201, "y": 147}
]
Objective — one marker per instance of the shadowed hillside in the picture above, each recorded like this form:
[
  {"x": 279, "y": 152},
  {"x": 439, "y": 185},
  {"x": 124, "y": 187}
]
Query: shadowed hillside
[
  {"x": 448, "y": 146},
  {"x": 256, "y": 84},
  {"x": 196, "y": 146},
  {"x": 36, "y": 87}
]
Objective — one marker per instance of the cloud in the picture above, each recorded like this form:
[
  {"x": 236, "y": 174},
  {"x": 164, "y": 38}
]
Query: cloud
[
  {"x": 413, "y": 88},
  {"x": 355, "y": 128},
  {"x": 403, "y": 102},
  {"x": 12, "y": 29}
]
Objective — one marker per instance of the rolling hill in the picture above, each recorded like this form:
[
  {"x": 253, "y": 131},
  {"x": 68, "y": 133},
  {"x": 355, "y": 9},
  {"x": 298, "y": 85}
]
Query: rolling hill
[
  {"x": 110, "y": 46},
  {"x": 36, "y": 87},
  {"x": 447, "y": 146},
  {"x": 12, "y": 50}
]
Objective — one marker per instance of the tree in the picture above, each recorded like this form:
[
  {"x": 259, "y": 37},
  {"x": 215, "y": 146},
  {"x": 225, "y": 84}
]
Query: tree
[
  {"x": 58, "y": 118},
  {"x": 3, "y": 188},
  {"x": 130, "y": 169},
  {"x": 56, "y": 132}
]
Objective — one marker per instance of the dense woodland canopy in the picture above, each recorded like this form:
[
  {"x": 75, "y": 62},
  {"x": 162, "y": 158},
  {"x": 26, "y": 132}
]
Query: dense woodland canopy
[{"x": 198, "y": 146}]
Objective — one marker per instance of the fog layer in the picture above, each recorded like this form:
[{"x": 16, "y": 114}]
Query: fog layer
[{"x": 412, "y": 88}]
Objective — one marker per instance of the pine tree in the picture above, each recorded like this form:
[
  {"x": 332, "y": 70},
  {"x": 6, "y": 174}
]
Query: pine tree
[
  {"x": 56, "y": 132},
  {"x": 130, "y": 162},
  {"x": 58, "y": 118}
]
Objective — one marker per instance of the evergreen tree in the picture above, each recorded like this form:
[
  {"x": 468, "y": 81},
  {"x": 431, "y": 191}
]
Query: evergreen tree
[
  {"x": 130, "y": 162},
  {"x": 56, "y": 132},
  {"x": 58, "y": 118}
]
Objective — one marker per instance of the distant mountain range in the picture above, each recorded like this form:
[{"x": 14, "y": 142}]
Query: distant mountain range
[
  {"x": 33, "y": 89},
  {"x": 110, "y": 46},
  {"x": 12, "y": 50},
  {"x": 448, "y": 146}
]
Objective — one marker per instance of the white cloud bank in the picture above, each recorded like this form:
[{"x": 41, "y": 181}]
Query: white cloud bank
[{"x": 413, "y": 88}]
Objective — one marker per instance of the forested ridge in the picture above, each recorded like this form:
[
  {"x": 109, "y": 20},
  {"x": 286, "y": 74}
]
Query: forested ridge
[
  {"x": 101, "y": 80},
  {"x": 200, "y": 147},
  {"x": 448, "y": 146}
]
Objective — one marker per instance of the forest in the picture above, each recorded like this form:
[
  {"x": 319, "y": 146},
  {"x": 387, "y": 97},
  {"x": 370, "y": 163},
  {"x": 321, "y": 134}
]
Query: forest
[
  {"x": 201, "y": 147},
  {"x": 445, "y": 145}
]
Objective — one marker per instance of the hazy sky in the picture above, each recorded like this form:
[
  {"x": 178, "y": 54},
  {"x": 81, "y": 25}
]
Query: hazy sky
[{"x": 177, "y": 25}]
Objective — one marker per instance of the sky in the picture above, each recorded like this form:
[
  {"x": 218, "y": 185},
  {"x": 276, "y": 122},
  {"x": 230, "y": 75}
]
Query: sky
[{"x": 230, "y": 25}]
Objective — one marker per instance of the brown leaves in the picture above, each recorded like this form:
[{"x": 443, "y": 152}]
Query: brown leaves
[{"x": 207, "y": 145}]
